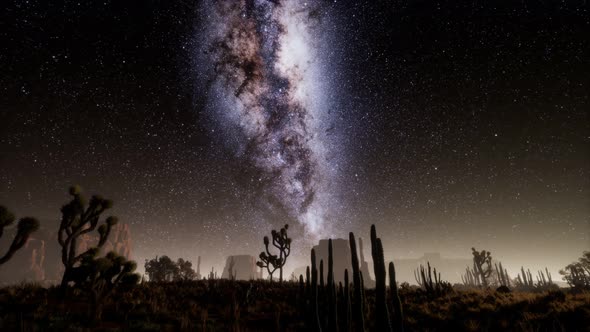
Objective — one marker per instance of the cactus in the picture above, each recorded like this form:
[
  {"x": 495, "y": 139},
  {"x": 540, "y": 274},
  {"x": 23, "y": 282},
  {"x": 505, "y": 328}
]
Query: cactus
[
  {"x": 347, "y": 307},
  {"x": 544, "y": 279},
  {"x": 307, "y": 278},
  {"x": 330, "y": 279},
  {"x": 502, "y": 273},
  {"x": 382, "y": 313},
  {"x": 331, "y": 290},
  {"x": 302, "y": 294},
  {"x": 469, "y": 279},
  {"x": 431, "y": 281},
  {"x": 282, "y": 242},
  {"x": 77, "y": 220},
  {"x": 25, "y": 227},
  {"x": 357, "y": 300},
  {"x": 315, "y": 319},
  {"x": 525, "y": 279},
  {"x": 321, "y": 274},
  {"x": 398, "y": 314}
]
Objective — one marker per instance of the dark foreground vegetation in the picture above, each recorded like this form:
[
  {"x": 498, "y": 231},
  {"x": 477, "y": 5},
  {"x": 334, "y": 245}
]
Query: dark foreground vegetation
[
  {"x": 225, "y": 305},
  {"x": 101, "y": 292}
]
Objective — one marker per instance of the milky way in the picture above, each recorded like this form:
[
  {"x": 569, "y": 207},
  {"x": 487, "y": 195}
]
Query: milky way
[{"x": 268, "y": 82}]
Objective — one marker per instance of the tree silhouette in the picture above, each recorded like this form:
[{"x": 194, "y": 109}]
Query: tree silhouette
[
  {"x": 25, "y": 227},
  {"x": 77, "y": 220},
  {"x": 101, "y": 275},
  {"x": 184, "y": 270},
  {"x": 482, "y": 265},
  {"x": 577, "y": 274},
  {"x": 162, "y": 269},
  {"x": 282, "y": 242}
]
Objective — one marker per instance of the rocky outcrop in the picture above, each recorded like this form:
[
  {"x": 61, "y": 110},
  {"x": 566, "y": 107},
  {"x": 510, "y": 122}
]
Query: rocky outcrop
[
  {"x": 241, "y": 267},
  {"x": 342, "y": 260},
  {"x": 40, "y": 259},
  {"x": 119, "y": 240}
]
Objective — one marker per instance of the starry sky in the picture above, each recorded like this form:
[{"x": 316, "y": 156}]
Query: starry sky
[{"x": 447, "y": 124}]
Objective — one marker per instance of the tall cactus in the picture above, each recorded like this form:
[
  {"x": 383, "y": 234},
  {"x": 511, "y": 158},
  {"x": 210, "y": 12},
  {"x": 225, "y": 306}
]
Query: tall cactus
[
  {"x": 331, "y": 290},
  {"x": 25, "y": 227},
  {"x": 307, "y": 279},
  {"x": 398, "y": 314},
  {"x": 357, "y": 301},
  {"x": 381, "y": 311},
  {"x": 347, "y": 308},
  {"x": 315, "y": 319},
  {"x": 330, "y": 279},
  {"x": 321, "y": 275},
  {"x": 302, "y": 294}
]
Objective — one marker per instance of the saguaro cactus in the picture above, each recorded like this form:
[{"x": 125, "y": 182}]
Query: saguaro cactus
[
  {"x": 381, "y": 311},
  {"x": 77, "y": 220},
  {"x": 347, "y": 308},
  {"x": 315, "y": 319},
  {"x": 502, "y": 274},
  {"x": 331, "y": 291},
  {"x": 25, "y": 227},
  {"x": 357, "y": 301},
  {"x": 398, "y": 314},
  {"x": 322, "y": 275}
]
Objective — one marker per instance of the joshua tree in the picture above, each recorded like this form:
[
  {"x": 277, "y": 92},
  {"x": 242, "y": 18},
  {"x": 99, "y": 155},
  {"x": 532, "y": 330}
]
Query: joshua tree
[
  {"x": 77, "y": 220},
  {"x": 101, "y": 275},
  {"x": 482, "y": 265},
  {"x": 25, "y": 227},
  {"x": 282, "y": 242}
]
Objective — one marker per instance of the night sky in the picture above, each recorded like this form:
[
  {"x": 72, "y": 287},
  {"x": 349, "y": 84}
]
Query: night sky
[{"x": 447, "y": 124}]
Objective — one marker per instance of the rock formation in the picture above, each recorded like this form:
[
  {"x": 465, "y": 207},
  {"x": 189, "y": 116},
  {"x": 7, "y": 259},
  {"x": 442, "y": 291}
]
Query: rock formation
[
  {"x": 40, "y": 259},
  {"x": 241, "y": 267},
  {"x": 342, "y": 260}
]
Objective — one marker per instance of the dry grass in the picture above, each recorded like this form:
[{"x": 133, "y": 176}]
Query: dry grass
[{"x": 223, "y": 305}]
